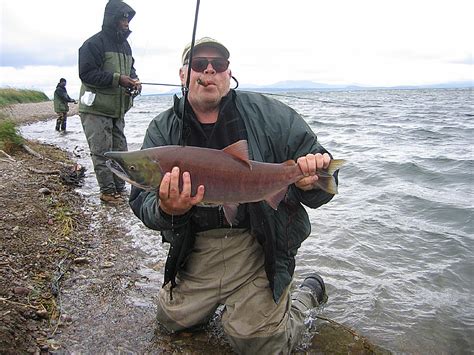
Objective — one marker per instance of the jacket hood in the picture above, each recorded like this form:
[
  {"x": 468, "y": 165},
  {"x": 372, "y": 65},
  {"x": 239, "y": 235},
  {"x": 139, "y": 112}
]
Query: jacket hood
[{"x": 114, "y": 10}]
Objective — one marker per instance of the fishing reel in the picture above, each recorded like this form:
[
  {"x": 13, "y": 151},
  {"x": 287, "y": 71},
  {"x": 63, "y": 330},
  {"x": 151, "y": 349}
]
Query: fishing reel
[{"x": 133, "y": 92}]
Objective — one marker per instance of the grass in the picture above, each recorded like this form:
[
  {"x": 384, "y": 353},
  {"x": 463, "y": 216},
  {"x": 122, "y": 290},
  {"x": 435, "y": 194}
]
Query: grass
[
  {"x": 10, "y": 96},
  {"x": 10, "y": 139}
]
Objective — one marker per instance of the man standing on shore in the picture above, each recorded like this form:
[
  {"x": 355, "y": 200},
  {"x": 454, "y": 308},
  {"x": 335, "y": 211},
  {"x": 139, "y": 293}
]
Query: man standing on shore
[
  {"x": 61, "y": 107},
  {"x": 109, "y": 84}
]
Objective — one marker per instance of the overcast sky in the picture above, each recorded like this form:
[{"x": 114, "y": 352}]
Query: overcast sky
[{"x": 353, "y": 42}]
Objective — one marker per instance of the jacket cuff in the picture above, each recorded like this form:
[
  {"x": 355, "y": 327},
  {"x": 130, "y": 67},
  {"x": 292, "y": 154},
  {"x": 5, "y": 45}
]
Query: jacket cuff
[
  {"x": 115, "y": 80},
  {"x": 170, "y": 221}
]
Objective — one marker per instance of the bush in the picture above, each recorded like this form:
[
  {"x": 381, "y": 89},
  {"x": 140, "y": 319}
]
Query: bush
[
  {"x": 14, "y": 96},
  {"x": 10, "y": 139}
]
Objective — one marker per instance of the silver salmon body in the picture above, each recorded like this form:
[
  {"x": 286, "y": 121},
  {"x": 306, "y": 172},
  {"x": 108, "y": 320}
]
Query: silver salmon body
[{"x": 229, "y": 177}]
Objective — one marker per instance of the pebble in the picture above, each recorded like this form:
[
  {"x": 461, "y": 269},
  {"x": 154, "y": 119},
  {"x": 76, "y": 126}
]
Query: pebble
[
  {"x": 21, "y": 291},
  {"x": 42, "y": 313},
  {"x": 81, "y": 260},
  {"x": 44, "y": 191},
  {"x": 107, "y": 265}
]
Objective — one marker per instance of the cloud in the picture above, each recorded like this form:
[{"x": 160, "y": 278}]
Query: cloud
[
  {"x": 344, "y": 42},
  {"x": 468, "y": 59},
  {"x": 21, "y": 57}
]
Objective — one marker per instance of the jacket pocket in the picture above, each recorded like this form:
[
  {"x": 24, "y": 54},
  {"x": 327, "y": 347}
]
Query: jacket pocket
[{"x": 106, "y": 103}]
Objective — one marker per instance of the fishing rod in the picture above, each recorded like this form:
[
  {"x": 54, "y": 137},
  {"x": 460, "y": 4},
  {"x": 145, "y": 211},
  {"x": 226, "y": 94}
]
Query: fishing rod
[
  {"x": 161, "y": 84},
  {"x": 185, "y": 89},
  {"x": 261, "y": 92}
]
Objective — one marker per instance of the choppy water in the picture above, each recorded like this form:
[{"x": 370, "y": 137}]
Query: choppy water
[{"x": 396, "y": 245}]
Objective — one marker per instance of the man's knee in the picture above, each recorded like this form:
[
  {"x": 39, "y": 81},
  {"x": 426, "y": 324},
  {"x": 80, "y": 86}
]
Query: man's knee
[
  {"x": 166, "y": 322},
  {"x": 172, "y": 326}
]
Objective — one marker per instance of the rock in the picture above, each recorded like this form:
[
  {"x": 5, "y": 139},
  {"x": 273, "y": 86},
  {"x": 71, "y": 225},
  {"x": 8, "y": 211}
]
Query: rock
[
  {"x": 65, "y": 318},
  {"x": 107, "y": 265},
  {"x": 44, "y": 191},
  {"x": 21, "y": 291},
  {"x": 42, "y": 313},
  {"x": 81, "y": 260}
]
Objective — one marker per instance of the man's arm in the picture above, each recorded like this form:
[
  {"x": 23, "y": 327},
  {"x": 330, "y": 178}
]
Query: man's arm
[
  {"x": 310, "y": 155},
  {"x": 91, "y": 59}
]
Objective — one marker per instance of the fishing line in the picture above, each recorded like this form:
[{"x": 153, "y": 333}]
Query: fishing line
[
  {"x": 262, "y": 92},
  {"x": 299, "y": 97},
  {"x": 161, "y": 84},
  {"x": 185, "y": 89}
]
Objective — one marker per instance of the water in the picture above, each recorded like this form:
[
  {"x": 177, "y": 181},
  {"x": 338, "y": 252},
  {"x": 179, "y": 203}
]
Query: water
[{"x": 396, "y": 245}]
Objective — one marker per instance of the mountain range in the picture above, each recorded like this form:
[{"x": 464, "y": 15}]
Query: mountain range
[{"x": 311, "y": 85}]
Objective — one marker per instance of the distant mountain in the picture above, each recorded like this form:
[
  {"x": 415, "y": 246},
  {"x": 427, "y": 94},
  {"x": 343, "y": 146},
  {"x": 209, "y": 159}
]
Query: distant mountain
[
  {"x": 311, "y": 85},
  {"x": 302, "y": 84}
]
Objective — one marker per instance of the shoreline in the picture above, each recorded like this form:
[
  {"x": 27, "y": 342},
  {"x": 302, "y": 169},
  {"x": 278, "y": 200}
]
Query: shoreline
[{"x": 33, "y": 112}]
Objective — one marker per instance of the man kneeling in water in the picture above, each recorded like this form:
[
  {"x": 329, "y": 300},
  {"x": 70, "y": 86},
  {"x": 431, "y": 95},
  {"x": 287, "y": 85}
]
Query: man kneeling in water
[{"x": 247, "y": 268}]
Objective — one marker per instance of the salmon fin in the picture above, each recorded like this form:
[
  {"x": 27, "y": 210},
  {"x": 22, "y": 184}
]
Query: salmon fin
[
  {"x": 327, "y": 183},
  {"x": 290, "y": 162},
  {"x": 334, "y": 165},
  {"x": 230, "y": 213},
  {"x": 240, "y": 151},
  {"x": 275, "y": 199}
]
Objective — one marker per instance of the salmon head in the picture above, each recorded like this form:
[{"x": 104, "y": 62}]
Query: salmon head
[{"x": 136, "y": 168}]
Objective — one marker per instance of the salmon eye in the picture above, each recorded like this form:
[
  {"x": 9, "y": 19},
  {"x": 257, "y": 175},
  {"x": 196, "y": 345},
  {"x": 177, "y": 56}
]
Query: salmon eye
[{"x": 132, "y": 167}]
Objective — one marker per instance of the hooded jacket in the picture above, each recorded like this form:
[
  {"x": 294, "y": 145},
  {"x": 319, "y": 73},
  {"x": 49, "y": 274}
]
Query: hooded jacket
[
  {"x": 61, "y": 99},
  {"x": 275, "y": 133},
  {"x": 102, "y": 59}
]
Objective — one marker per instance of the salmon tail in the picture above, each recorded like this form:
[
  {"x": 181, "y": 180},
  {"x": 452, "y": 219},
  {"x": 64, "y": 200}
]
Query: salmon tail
[
  {"x": 326, "y": 180},
  {"x": 275, "y": 199},
  {"x": 334, "y": 165},
  {"x": 327, "y": 183}
]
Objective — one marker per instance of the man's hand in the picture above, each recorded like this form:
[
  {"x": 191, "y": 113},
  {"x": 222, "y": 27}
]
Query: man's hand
[
  {"x": 174, "y": 202},
  {"x": 308, "y": 165},
  {"x": 138, "y": 86},
  {"x": 127, "y": 82}
]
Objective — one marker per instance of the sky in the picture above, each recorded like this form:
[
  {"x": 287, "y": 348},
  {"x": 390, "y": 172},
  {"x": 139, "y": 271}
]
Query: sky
[{"x": 342, "y": 42}]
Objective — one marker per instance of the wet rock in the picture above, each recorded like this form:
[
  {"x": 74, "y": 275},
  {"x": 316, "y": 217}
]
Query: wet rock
[
  {"x": 81, "y": 260},
  {"x": 42, "y": 313},
  {"x": 44, "y": 191}
]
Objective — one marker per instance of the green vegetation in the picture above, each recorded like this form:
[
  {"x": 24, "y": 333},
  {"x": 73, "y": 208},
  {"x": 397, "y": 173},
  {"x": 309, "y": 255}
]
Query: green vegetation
[
  {"x": 15, "y": 96},
  {"x": 10, "y": 139}
]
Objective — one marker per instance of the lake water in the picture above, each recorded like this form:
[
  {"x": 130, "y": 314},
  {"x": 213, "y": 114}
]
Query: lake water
[{"x": 396, "y": 245}]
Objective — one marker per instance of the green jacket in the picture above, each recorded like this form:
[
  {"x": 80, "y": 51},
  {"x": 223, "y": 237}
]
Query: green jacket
[
  {"x": 61, "y": 99},
  {"x": 276, "y": 133},
  {"x": 102, "y": 59}
]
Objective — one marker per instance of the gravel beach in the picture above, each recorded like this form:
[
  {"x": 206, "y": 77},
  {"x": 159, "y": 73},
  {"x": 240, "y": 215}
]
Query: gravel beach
[{"x": 32, "y": 112}]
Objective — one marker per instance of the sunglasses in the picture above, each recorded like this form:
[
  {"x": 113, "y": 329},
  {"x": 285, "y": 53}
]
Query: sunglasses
[{"x": 199, "y": 64}]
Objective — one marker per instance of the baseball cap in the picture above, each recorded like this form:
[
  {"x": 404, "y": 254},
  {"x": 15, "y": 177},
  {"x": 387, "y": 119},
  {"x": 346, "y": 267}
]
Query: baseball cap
[{"x": 205, "y": 42}]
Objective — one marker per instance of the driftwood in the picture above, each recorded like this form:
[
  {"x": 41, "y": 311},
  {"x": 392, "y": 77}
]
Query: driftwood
[
  {"x": 10, "y": 158},
  {"x": 32, "y": 152},
  {"x": 39, "y": 156},
  {"x": 44, "y": 172}
]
